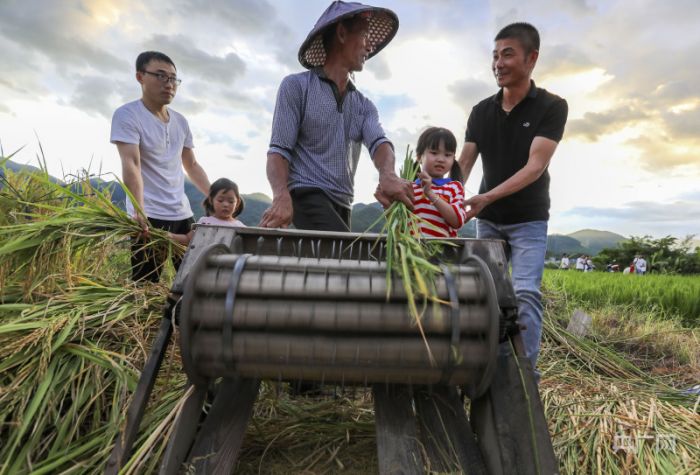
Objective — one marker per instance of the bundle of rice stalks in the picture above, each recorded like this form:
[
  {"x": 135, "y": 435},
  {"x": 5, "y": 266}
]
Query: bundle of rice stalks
[
  {"x": 73, "y": 333},
  {"x": 68, "y": 367},
  {"x": 60, "y": 233},
  {"x": 409, "y": 255}
]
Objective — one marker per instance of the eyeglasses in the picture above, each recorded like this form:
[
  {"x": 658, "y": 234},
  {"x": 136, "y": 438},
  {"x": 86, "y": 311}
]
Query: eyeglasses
[{"x": 164, "y": 78}]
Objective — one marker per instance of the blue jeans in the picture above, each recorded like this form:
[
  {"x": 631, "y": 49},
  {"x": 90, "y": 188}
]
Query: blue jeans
[{"x": 526, "y": 245}]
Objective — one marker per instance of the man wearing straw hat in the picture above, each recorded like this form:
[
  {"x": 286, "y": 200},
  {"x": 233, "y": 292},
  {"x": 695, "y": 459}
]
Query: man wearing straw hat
[{"x": 321, "y": 121}]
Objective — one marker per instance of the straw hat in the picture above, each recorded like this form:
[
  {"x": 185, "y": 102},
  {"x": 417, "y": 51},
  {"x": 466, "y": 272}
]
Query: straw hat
[{"x": 383, "y": 24}]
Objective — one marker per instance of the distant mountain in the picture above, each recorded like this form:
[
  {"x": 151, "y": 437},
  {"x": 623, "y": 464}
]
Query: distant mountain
[
  {"x": 595, "y": 241},
  {"x": 558, "y": 244}
]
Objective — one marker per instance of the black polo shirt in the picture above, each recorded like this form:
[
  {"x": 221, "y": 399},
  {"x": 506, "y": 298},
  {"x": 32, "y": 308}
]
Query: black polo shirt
[{"x": 504, "y": 140}]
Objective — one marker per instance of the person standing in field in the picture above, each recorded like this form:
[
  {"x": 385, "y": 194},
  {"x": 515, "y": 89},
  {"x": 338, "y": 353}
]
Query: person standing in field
[
  {"x": 564, "y": 262},
  {"x": 155, "y": 144},
  {"x": 640, "y": 265},
  {"x": 321, "y": 122},
  {"x": 516, "y": 132}
]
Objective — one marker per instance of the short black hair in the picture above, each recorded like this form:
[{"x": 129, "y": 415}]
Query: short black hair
[
  {"x": 525, "y": 33},
  {"x": 223, "y": 184},
  {"x": 147, "y": 56},
  {"x": 431, "y": 138}
]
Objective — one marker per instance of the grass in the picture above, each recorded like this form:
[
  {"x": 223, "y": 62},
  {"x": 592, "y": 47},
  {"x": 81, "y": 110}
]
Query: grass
[{"x": 674, "y": 296}]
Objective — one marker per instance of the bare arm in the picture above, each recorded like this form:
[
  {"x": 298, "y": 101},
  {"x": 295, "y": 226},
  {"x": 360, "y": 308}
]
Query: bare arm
[
  {"x": 541, "y": 152},
  {"x": 279, "y": 214},
  {"x": 131, "y": 174},
  {"x": 195, "y": 171},
  {"x": 391, "y": 187},
  {"x": 467, "y": 159},
  {"x": 183, "y": 239}
]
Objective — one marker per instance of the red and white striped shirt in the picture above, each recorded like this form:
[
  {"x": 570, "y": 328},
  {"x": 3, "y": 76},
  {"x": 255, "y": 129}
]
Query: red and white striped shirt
[{"x": 445, "y": 189}]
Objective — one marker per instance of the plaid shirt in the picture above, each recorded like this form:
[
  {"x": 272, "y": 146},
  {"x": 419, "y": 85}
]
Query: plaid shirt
[{"x": 321, "y": 134}]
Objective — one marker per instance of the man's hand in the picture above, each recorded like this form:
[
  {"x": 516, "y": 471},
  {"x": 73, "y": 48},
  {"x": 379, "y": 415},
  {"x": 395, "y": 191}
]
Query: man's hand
[
  {"x": 475, "y": 204},
  {"x": 392, "y": 188},
  {"x": 279, "y": 214},
  {"x": 142, "y": 221}
]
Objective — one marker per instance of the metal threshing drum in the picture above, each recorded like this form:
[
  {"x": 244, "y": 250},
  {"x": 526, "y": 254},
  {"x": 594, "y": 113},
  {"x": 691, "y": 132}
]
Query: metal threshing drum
[{"x": 328, "y": 319}]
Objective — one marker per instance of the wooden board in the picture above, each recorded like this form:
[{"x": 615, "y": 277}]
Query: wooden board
[
  {"x": 510, "y": 424},
  {"x": 219, "y": 439},
  {"x": 398, "y": 450},
  {"x": 445, "y": 431}
]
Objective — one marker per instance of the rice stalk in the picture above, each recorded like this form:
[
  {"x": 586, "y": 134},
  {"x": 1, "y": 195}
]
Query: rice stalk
[
  {"x": 409, "y": 255},
  {"x": 73, "y": 232}
]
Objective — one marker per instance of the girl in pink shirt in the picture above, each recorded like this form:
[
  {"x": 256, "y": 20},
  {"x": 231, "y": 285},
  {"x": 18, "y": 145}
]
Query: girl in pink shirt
[{"x": 222, "y": 206}]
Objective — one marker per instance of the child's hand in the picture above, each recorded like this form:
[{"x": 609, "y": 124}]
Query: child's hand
[
  {"x": 426, "y": 180},
  {"x": 427, "y": 183}
]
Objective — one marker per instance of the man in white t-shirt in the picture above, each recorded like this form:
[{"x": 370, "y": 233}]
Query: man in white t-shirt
[
  {"x": 155, "y": 144},
  {"x": 564, "y": 262},
  {"x": 640, "y": 265}
]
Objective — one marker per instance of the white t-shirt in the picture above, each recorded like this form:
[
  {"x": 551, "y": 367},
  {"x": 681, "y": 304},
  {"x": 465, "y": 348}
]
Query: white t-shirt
[
  {"x": 160, "y": 145},
  {"x": 640, "y": 265},
  {"x": 220, "y": 222}
]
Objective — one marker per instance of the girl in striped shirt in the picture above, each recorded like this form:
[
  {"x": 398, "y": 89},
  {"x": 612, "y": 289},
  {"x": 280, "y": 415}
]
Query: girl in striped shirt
[{"x": 437, "y": 199}]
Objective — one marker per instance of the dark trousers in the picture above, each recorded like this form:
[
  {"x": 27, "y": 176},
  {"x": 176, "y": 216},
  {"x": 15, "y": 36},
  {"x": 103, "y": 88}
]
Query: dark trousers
[
  {"x": 314, "y": 210},
  {"x": 147, "y": 262}
]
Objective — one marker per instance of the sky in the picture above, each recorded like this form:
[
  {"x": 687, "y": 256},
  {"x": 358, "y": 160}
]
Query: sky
[{"x": 628, "y": 162}]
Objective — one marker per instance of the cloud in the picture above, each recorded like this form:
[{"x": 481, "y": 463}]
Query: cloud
[
  {"x": 662, "y": 153},
  {"x": 212, "y": 137},
  {"x": 401, "y": 138},
  {"x": 676, "y": 91},
  {"x": 562, "y": 59},
  {"x": 286, "y": 45},
  {"x": 469, "y": 92},
  {"x": 246, "y": 16},
  {"x": 645, "y": 212},
  {"x": 91, "y": 95},
  {"x": 52, "y": 29},
  {"x": 189, "y": 107},
  {"x": 388, "y": 105},
  {"x": 595, "y": 124},
  {"x": 379, "y": 66},
  {"x": 678, "y": 218},
  {"x": 683, "y": 125},
  {"x": 223, "y": 70}
]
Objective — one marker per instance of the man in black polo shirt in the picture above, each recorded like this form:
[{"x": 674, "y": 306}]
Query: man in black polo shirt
[{"x": 516, "y": 131}]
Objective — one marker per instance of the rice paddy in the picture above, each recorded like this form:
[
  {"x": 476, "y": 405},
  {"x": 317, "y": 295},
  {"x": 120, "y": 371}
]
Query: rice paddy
[
  {"x": 674, "y": 296},
  {"x": 74, "y": 334}
]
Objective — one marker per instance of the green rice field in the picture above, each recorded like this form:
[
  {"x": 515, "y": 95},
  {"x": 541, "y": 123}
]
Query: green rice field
[{"x": 673, "y": 296}]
